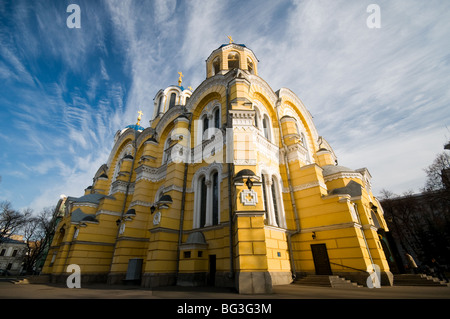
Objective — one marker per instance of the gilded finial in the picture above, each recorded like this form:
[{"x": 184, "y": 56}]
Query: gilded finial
[
  {"x": 231, "y": 39},
  {"x": 190, "y": 88},
  {"x": 179, "y": 79},
  {"x": 139, "y": 118}
]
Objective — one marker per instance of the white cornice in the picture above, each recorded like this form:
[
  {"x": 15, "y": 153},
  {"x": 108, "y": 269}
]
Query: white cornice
[{"x": 340, "y": 175}]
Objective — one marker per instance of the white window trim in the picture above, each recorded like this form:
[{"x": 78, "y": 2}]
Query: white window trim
[
  {"x": 272, "y": 220},
  {"x": 208, "y": 173}
]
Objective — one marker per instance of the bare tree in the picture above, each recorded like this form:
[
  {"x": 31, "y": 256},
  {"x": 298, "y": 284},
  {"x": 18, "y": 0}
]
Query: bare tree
[
  {"x": 11, "y": 220},
  {"x": 37, "y": 236},
  {"x": 438, "y": 173}
]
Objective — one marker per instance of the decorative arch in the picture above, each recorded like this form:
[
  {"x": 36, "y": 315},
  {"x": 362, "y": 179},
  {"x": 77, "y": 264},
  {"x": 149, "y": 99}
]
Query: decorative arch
[{"x": 290, "y": 99}]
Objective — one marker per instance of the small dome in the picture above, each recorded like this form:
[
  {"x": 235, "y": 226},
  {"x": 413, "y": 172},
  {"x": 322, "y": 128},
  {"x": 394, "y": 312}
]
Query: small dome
[
  {"x": 135, "y": 127},
  {"x": 131, "y": 212},
  {"x": 245, "y": 173},
  {"x": 196, "y": 238},
  {"x": 165, "y": 199}
]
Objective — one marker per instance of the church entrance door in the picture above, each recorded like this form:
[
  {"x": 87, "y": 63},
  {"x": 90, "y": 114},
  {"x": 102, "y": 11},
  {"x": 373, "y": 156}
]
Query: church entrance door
[{"x": 321, "y": 261}]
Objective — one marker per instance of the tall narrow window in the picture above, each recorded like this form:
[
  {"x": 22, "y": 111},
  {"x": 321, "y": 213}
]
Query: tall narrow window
[
  {"x": 305, "y": 145},
  {"x": 203, "y": 192},
  {"x": 205, "y": 126},
  {"x": 217, "y": 118},
  {"x": 275, "y": 201},
  {"x": 266, "y": 129},
  {"x": 159, "y": 105},
  {"x": 216, "y": 65},
  {"x": 215, "y": 208},
  {"x": 266, "y": 208},
  {"x": 250, "y": 66},
  {"x": 173, "y": 96},
  {"x": 166, "y": 151}
]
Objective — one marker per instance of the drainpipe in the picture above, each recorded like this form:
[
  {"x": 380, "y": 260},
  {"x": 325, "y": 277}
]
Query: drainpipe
[
  {"x": 183, "y": 199},
  {"x": 294, "y": 206}
]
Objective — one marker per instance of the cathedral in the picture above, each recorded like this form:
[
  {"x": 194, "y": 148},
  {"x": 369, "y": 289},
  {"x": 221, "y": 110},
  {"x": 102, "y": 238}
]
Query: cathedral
[{"x": 230, "y": 185}]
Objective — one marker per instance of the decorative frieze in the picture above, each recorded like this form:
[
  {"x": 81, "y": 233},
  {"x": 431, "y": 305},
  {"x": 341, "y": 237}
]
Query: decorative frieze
[
  {"x": 309, "y": 185},
  {"x": 152, "y": 174},
  {"x": 249, "y": 197},
  {"x": 119, "y": 186}
]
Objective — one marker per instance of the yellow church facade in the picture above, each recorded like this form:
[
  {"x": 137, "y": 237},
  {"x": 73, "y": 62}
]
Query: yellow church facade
[{"x": 229, "y": 185}]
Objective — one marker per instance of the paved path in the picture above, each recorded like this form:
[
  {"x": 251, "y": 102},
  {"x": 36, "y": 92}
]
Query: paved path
[
  {"x": 48, "y": 291},
  {"x": 101, "y": 301}
]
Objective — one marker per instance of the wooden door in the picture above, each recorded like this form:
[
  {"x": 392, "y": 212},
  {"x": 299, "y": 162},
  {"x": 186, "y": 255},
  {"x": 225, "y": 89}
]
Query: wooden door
[{"x": 321, "y": 261}]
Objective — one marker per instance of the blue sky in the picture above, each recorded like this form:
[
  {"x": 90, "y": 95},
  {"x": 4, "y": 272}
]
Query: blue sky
[{"x": 379, "y": 96}]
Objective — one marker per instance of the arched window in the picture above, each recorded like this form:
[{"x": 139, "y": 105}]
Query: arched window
[
  {"x": 276, "y": 215},
  {"x": 166, "y": 151},
  {"x": 159, "y": 105},
  {"x": 215, "y": 198},
  {"x": 266, "y": 127},
  {"x": 250, "y": 66},
  {"x": 233, "y": 60},
  {"x": 217, "y": 118},
  {"x": 205, "y": 126},
  {"x": 273, "y": 205},
  {"x": 173, "y": 97},
  {"x": 203, "y": 200},
  {"x": 257, "y": 118},
  {"x": 216, "y": 65},
  {"x": 266, "y": 212},
  {"x": 305, "y": 145},
  {"x": 207, "y": 197}
]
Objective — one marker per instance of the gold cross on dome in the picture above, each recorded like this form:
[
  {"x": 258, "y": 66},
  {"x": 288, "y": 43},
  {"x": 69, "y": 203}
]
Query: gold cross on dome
[
  {"x": 190, "y": 88},
  {"x": 179, "y": 79},
  {"x": 231, "y": 39},
  {"x": 139, "y": 117}
]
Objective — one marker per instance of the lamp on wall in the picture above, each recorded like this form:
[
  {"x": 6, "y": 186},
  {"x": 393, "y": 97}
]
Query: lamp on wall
[
  {"x": 313, "y": 235},
  {"x": 249, "y": 183},
  {"x": 163, "y": 203},
  {"x": 246, "y": 174}
]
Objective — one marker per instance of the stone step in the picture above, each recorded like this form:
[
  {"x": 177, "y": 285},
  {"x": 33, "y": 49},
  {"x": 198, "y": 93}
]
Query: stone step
[
  {"x": 326, "y": 281},
  {"x": 314, "y": 280},
  {"x": 340, "y": 282},
  {"x": 418, "y": 280}
]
